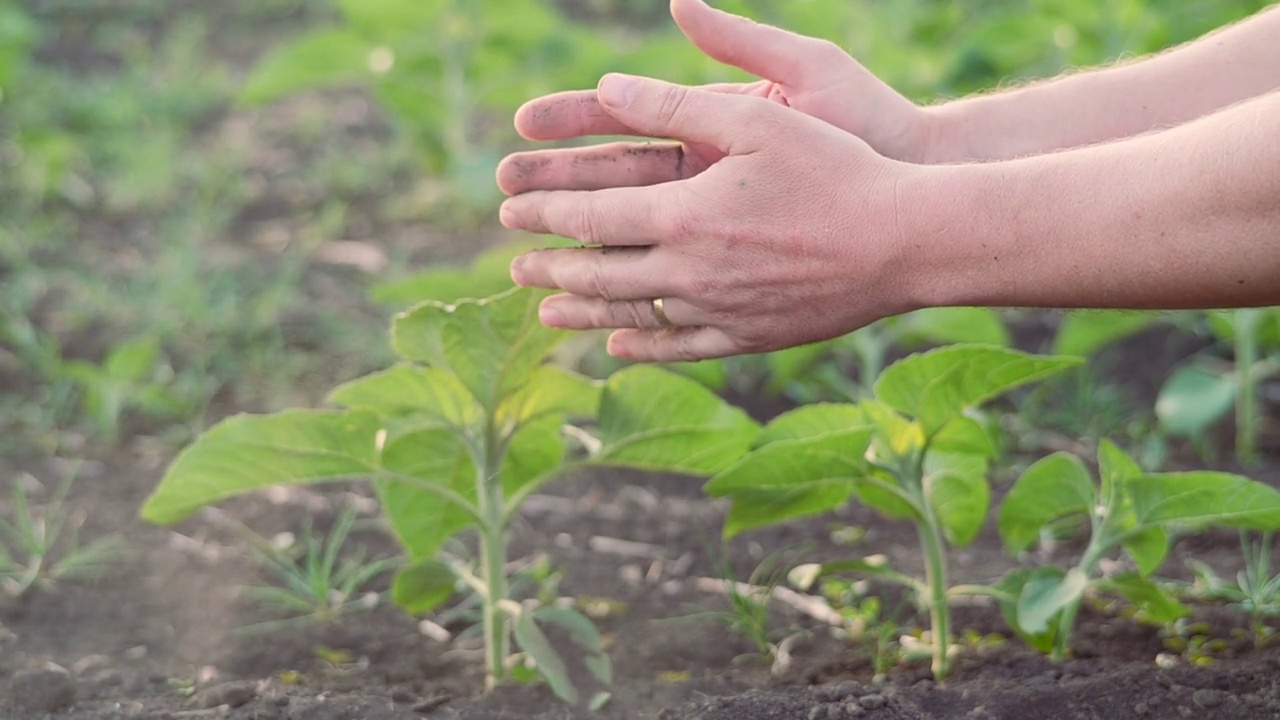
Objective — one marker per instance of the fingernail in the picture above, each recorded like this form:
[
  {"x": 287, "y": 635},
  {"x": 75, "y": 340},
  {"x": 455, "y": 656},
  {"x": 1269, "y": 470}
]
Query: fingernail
[
  {"x": 551, "y": 316},
  {"x": 618, "y": 91},
  {"x": 517, "y": 271},
  {"x": 507, "y": 216}
]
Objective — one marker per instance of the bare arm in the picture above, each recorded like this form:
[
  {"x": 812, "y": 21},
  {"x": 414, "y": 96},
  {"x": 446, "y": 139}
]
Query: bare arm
[
  {"x": 1221, "y": 69},
  {"x": 1185, "y": 218}
]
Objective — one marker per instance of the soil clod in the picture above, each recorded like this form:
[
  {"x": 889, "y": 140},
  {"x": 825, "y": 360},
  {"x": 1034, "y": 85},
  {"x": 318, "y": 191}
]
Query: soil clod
[
  {"x": 232, "y": 694},
  {"x": 44, "y": 690}
]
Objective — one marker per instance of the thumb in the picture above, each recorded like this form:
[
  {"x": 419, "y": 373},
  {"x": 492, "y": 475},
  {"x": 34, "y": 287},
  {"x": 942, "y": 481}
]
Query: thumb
[
  {"x": 762, "y": 50},
  {"x": 732, "y": 123}
]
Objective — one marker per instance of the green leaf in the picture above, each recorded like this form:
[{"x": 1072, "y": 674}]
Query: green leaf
[
  {"x": 944, "y": 325},
  {"x": 1012, "y": 584},
  {"x": 1044, "y": 595},
  {"x": 757, "y": 508},
  {"x": 321, "y": 59},
  {"x": 1153, "y": 603},
  {"x": 792, "y": 364},
  {"x": 964, "y": 435},
  {"x": 653, "y": 419},
  {"x": 407, "y": 389},
  {"x": 534, "y": 454},
  {"x": 584, "y": 635},
  {"x": 1148, "y": 549},
  {"x": 1203, "y": 498},
  {"x": 1114, "y": 466},
  {"x": 423, "y": 586},
  {"x": 811, "y": 421},
  {"x": 422, "y": 519},
  {"x": 493, "y": 345},
  {"x": 1083, "y": 332},
  {"x": 1194, "y": 399},
  {"x": 251, "y": 452},
  {"x": 713, "y": 374},
  {"x": 783, "y": 464},
  {"x": 133, "y": 361},
  {"x": 960, "y": 501},
  {"x": 939, "y": 384},
  {"x": 1054, "y": 487},
  {"x": 881, "y": 494},
  {"x": 550, "y": 665},
  {"x": 552, "y": 390}
]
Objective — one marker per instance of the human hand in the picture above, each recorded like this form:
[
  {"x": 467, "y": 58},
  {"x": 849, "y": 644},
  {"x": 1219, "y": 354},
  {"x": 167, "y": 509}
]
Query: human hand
[
  {"x": 812, "y": 76},
  {"x": 794, "y": 236}
]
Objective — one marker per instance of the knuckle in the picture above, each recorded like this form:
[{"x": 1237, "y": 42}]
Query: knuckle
[
  {"x": 826, "y": 54},
  {"x": 597, "y": 278},
  {"x": 630, "y": 314},
  {"x": 672, "y": 104},
  {"x": 684, "y": 349},
  {"x": 585, "y": 227}
]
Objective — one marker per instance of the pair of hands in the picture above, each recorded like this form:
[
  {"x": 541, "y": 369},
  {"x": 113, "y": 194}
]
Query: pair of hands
[{"x": 774, "y": 219}]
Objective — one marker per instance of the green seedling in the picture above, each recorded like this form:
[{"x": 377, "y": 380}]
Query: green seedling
[
  {"x": 40, "y": 548},
  {"x": 314, "y": 582},
  {"x": 912, "y": 453},
  {"x": 1256, "y": 591},
  {"x": 865, "y": 619},
  {"x": 1204, "y": 391},
  {"x": 1129, "y": 511},
  {"x": 453, "y": 439},
  {"x": 131, "y": 377}
]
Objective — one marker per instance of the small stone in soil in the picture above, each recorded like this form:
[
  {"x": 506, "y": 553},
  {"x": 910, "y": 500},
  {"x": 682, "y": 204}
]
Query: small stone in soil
[
  {"x": 402, "y": 696},
  {"x": 430, "y": 704},
  {"x": 854, "y": 709},
  {"x": 45, "y": 690},
  {"x": 1207, "y": 698},
  {"x": 848, "y": 690},
  {"x": 874, "y": 701},
  {"x": 233, "y": 694},
  {"x": 835, "y": 712},
  {"x": 818, "y": 712}
]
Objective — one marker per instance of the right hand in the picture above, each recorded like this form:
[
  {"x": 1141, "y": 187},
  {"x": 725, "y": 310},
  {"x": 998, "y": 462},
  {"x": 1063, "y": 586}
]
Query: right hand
[{"x": 813, "y": 76}]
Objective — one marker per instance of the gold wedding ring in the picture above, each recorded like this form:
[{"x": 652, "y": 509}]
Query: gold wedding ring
[{"x": 660, "y": 313}]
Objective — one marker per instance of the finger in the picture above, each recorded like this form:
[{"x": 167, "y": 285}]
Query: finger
[
  {"x": 578, "y": 113},
  {"x": 762, "y": 50},
  {"x": 612, "y": 216},
  {"x": 677, "y": 345},
  {"x": 575, "y": 312},
  {"x": 597, "y": 167},
  {"x": 613, "y": 274},
  {"x": 731, "y": 123},
  {"x": 566, "y": 115}
]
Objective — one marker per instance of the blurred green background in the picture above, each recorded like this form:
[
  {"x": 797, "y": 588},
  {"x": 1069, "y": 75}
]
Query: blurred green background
[{"x": 196, "y": 197}]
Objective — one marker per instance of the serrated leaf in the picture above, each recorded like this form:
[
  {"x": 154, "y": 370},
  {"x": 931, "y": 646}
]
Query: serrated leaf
[
  {"x": 1203, "y": 498},
  {"x": 584, "y": 635},
  {"x": 1194, "y": 399},
  {"x": 407, "y": 389},
  {"x": 937, "y": 385},
  {"x": 550, "y": 665},
  {"x": 421, "y": 519},
  {"x": 653, "y": 419},
  {"x": 250, "y": 452},
  {"x": 493, "y": 345},
  {"x": 1054, "y": 487},
  {"x": 320, "y": 59},
  {"x": 1044, "y": 595},
  {"x": 1148, "y": 549},
  {"x": 1153, "y": 603},
  {"x": 423, "y": 586},
  {"x": 837, "y": 455},
  {"x": 1083, "y": 332},
  {"x": 552, "y": 390},
  {"x": 811, "y": 421},
  {"x": 757, "y": 508},
  {"x": 960, "y": 501}
]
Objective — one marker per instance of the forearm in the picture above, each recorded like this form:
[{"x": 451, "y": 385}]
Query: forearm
[
  {"x": 1185, "y": 218},
  {"x": 1226, "y": 67}
]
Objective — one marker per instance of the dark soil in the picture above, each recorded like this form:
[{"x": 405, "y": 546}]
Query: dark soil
[{"x": 158, "y": 639}]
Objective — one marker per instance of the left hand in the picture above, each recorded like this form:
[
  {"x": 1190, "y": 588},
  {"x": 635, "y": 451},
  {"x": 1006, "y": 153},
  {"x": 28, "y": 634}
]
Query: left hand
[{"x": 794, "y": 236}]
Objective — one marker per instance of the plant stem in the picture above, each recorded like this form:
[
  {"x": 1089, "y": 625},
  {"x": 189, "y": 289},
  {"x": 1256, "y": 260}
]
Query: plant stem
[
  {"x": 493, "y": 554},
  {"x": 936, "y": 578},
  {"x": 1246, "y": 351}
]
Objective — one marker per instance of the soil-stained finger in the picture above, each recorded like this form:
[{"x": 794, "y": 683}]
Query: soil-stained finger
[
  {"x": 597, "y": 167},
  {"x": 575, "y": 113}
]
